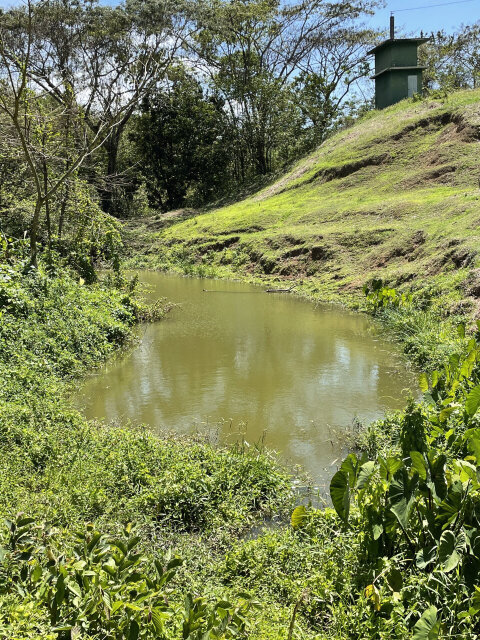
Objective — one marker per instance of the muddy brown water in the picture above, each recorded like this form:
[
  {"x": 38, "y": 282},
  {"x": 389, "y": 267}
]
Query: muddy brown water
[{"x": 241, "y": 364}]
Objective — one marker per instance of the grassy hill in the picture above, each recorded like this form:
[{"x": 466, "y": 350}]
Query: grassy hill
[{"x": 396, "y": 196}]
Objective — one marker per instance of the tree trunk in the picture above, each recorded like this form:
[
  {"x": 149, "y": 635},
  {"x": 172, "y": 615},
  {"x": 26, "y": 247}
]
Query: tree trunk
[
  {"x": 261, "y": 158},
  {"x": 63, "y": 207},
  {"x": 47, "y": 204},
  {"x": 34, "y": 231},
  {"x": 111, "y": 147}
]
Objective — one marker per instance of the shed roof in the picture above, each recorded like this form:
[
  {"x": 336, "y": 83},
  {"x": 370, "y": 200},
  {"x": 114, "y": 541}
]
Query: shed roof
[{"x": 391, "y": 41}]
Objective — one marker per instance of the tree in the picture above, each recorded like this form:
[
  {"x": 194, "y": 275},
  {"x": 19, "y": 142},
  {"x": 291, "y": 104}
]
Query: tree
[
  {"x": 181, "y": 142},
  {"x": 37, "y": 110},
  {"x": 105, "y": 59},
  {"x": 453, "y": 60},
  {"x": 253, "y": 52},
  {"x": 327, "y": 78}
]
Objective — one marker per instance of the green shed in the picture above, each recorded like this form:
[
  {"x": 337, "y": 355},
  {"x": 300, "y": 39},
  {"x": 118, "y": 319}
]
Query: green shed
[{"x": 397, "y": 73}]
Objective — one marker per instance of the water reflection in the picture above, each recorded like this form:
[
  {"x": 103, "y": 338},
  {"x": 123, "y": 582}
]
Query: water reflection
[{"x": 269, "y": 366}]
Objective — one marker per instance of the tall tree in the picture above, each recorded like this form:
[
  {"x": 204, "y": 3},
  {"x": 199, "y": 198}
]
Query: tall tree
[
  {"x": 37, "y": 106},
  {"x": 253, "y": 50},
  {"x": 182, "y": 143},
  {"x": 104, "y": 58}
]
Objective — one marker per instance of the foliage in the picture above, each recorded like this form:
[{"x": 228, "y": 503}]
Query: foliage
[
  {"x": 181, "y": 143},
  {"x": 452, "y": 61},
  {"x": 379, "y": 296},
  {"x": 419, "y": 506},
  {"x": 254, "y": 50},
  {"x": 104, "y": 587}
]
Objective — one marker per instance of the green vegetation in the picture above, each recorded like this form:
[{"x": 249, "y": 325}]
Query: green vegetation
[
  {"x": 108, "y": 532},
  {"x": 415, "y": 507},
  {"x": 396, "y": 197},
  {"x": 112, "y": 532}
]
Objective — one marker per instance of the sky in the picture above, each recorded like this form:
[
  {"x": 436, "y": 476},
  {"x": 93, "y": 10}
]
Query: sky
[
  {"x": 409, "y": 19},
  {"x": 429, "y": 17}
]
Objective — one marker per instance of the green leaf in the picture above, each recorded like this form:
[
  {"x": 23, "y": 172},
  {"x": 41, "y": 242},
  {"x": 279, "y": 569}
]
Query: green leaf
[
  {"x": 132, "y": 542},
  {"x": 366, "y": 472},
  {"x": 428, "y": 627},
  {"x": 461, "y": 330},
  {"x": 474, "y": 446},
  {"x": 444, "y": 414},
  {"x": 350, "y": 468},
  {"x": 454, "y": 361},
  {"x": 174, "y": 563},
  {"x": 36, "y": 573},
  {"x": 389, "y": 467},
  {"x": 402, "y": 495},
  {"x": 120, "y": 544},
  {"x": 474, "y": 542},
  {"x": 299, "y": 516},
  {"x": 60, "y": 592},
  {"x": 118, "y": 604},
  {"x": 395, "y": 580},
  {"x": 94, "y": 541},
  {"x": 450, "y": 548},
  {"x": 418, "y": 463},
  {"x": 423, "y": 382},
  {"x": 157, "y": 619},
  {"x": 74, "y": 588},
  {"x": 377, "y": 531},
  {"x": 340, "y": 494},
  {"x": 23, "y": 522},
  {"x": 473, "y": 401},
  {"x": 134, "y": 630},
  {"x": 425, "y": 557},
  {"x": 437, "y": 473},
  {"x": 450, "y": 507}
]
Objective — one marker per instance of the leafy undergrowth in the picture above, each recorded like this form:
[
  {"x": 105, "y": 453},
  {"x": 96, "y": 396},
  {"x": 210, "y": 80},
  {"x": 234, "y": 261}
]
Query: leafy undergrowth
[
  {"x": 394, "y": 197},
  {"x": 68, "y": 566},
  {"x": 399, "y": 556}
]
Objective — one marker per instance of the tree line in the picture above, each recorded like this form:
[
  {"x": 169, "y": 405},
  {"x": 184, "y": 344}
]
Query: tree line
[{"x": 111, "y": 111}]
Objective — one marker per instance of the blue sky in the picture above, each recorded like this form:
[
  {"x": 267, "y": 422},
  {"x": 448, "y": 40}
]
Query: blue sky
[
  {"x": 411, "y": 20},
  {"x": 431, "y": 18}
]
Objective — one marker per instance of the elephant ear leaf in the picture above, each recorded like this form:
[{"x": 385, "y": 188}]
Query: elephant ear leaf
[
  {"x": 340, "y": 494},
  {"x": 449, "y": 549},
  {"x": 423, "y": 382},
  {"x": 299, "y": 517},
  {"x": 418, "y": 463},
  {"x": 428, "y": 627},
  {"x": 438, "y": 484},
  {"x": 473, "y": 401},
  {"x": 402, "y": 495},
  {"x": 366, "y": 472},
  {"x": 426, "y": 556}
]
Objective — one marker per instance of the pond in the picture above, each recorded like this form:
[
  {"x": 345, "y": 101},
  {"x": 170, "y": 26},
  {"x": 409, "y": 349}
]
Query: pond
[{"x": 243, "y": 364}]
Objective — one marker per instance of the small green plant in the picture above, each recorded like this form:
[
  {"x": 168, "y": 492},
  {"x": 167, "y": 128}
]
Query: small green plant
[{"x": 379, "y": 296}]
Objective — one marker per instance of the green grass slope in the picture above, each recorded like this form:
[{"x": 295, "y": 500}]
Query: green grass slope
[{"x": 396, "y": 196}]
